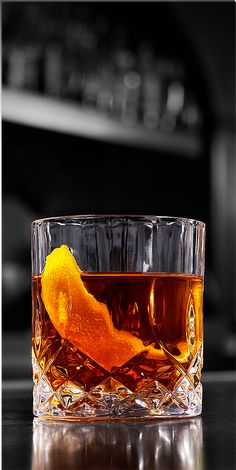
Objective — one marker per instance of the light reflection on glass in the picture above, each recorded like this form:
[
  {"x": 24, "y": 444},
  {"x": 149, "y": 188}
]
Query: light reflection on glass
[{"x": 118, "y": 444}]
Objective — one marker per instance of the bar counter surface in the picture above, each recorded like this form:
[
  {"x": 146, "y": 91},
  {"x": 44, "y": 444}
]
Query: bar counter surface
[{"x": 207, "y": 442}]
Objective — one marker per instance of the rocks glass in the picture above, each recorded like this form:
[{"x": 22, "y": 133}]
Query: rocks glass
[{"x": 117, "y": 316}]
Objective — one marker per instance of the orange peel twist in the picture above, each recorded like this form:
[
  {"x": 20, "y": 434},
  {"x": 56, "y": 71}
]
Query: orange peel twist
[{"x": 79, "y": 317}]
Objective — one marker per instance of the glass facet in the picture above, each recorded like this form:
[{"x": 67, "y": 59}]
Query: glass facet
[{"x": 117, "y": 316}]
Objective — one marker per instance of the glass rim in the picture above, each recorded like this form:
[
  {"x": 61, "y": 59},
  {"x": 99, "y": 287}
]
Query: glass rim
[{"x": 136, "y": 217}]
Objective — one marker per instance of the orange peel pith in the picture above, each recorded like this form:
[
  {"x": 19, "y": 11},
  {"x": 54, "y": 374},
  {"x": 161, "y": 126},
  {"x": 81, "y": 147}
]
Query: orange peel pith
[{"x": 79, "y": 317}]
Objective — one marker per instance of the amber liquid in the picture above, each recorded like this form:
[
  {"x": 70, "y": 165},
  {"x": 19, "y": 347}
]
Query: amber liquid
[{"x": 163, "y": 310}]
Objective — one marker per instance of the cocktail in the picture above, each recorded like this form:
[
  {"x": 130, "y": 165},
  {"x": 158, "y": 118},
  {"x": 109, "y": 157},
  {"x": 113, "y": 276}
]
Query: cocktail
[{"x": 117, "y": 316}]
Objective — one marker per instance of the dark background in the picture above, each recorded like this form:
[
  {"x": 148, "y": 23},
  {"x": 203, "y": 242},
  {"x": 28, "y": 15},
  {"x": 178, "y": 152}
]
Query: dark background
[{"x": 49, "y": 173}]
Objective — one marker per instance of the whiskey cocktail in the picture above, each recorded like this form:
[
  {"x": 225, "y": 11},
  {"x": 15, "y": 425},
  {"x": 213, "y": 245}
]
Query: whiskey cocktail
[{"x": 117, "y": 317}]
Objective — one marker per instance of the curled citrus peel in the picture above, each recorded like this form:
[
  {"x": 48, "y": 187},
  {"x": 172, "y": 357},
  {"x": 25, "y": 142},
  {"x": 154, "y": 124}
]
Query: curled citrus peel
[{"x": 79, "y": 317}]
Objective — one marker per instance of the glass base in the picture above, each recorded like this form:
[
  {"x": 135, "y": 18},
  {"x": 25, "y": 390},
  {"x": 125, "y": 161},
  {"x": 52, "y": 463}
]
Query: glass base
[
  {"x": 72, "y": 403},
  {"x": 140, "y": 389}
]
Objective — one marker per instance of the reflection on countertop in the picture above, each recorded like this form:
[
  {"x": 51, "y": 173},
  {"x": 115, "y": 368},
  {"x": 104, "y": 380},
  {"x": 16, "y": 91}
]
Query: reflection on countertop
[
  {"x": 118, "y": 445},
  {"x": 206, "y": 442}
]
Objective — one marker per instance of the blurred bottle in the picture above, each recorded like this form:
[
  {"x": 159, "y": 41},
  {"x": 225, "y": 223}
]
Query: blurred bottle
[
  {"x": 105, "y": 87},
  {"x": 192, "y": 115},
  {"x": 73, "y": 78},
  {"x": 126, "y": 89},
  {"x": 105, "y": 65},
  {"x": 73, "y": 63},
  {"x": 23, "y": 66},
  {"x": 151, "y": 91},
  {"x": 174, "y": 94},
  {"x": 91, "y": 84},
  {"x": 132, "y": 82},
  {"x": 32, "y": 57},
  {"x": 53, "y": 69},
  {"x": 16, "y": 66},
  {"x": 88, "y": 45}
]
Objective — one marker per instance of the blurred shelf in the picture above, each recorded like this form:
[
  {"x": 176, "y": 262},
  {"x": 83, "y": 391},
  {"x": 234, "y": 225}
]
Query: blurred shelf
[{"x": 67, "y": 117}]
